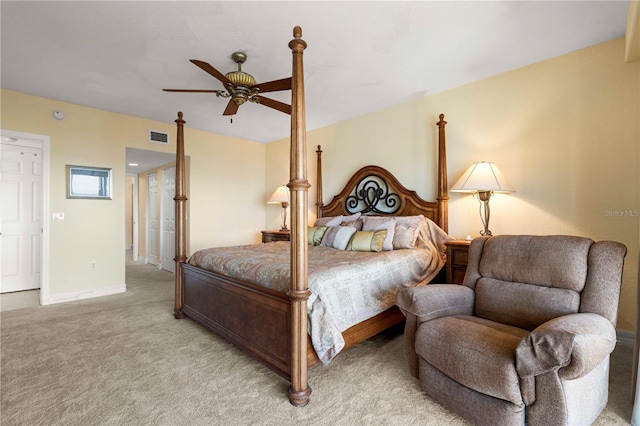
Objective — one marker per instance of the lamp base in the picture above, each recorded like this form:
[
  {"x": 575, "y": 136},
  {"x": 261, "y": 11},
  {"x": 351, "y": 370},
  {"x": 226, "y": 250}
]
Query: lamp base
[
  {"x": 284, "y": 216},
  {"x": 483, "y": 199}
]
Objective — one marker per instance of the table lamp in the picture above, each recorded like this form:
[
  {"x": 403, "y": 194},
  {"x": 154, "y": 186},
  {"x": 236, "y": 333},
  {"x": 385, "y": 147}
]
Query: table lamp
[
  {"x": 281, "y": 196},
  {"x": 483, "y": 179}
]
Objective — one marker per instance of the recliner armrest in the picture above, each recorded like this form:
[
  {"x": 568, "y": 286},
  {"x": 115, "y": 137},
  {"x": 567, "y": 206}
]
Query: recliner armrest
[
  {"x": 420, "y": 304},
  {"x": 436, "y": 300},
  {"x": 574, "y": 344}
]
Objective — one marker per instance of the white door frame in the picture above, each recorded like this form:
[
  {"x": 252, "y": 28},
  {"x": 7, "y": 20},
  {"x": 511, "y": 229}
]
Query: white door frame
[
  {"x": 42, "y": 142},
  {"x": 135, "y": 248}
]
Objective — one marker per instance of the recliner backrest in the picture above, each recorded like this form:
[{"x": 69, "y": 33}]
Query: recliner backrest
[{"x": 526, "y": 280}]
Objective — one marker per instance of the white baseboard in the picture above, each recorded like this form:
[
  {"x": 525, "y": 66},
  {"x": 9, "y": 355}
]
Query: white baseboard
[
  {"x": 626, "y": 338},
  {"x": 80, "y": 295}
]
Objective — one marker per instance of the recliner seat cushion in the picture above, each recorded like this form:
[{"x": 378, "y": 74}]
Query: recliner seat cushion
[{"x": 481, "y": 357}]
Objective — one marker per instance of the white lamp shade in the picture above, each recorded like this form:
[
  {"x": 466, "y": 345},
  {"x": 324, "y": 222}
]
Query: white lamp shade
[
  {"x": 280, "y": 195},
  {"x": 482, "y": 176}
]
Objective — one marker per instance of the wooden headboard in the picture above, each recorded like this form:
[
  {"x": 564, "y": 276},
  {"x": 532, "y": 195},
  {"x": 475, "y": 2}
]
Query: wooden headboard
[{"x": 375, "y": 190}]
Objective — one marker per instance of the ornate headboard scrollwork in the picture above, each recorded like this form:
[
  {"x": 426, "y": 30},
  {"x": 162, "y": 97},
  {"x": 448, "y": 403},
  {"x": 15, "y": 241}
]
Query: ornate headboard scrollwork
[{"x": 372, "y": 195}]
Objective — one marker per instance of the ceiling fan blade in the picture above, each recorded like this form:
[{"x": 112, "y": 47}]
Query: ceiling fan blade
[
  {"x": 192, "y": 90},
  {"x": 271, "y": 103},
  {"x": 274, "y": 86},
  {"x": 211, "y": 70},
  {"x": 231, "y": 108}
]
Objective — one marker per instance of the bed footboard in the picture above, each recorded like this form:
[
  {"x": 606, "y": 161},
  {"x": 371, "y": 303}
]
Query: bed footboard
[
  {"x": 253, "y": 318},
  {"x": 258, "y": 320}
]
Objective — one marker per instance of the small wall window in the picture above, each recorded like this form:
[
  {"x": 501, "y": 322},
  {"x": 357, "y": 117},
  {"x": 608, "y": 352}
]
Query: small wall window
[{"x": 88, "y": 182}]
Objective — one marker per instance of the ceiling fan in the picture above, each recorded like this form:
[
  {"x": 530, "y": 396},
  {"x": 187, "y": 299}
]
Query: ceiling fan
[{"x": 241, "y": 87}]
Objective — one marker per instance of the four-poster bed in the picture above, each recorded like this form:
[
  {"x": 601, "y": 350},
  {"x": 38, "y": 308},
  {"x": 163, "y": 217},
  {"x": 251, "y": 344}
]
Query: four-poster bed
[{"x": 271, "y": 325}]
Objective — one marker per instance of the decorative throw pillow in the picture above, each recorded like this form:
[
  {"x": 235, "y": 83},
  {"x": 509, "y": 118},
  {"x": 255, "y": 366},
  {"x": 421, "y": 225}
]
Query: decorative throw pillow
[
  {"x": 352, "y": 217},
  {"x": 377, "y": 223},
  {"x": 355, "y": 223},
  {"x": 367, "y": 240},
  {"x": 336, "y": 220},
  {"x": 337, "y": 236},
  {"x": 406, "y": 232},
  {"x": 328, "y": 221},
  {"x": 315, "y": 234}
]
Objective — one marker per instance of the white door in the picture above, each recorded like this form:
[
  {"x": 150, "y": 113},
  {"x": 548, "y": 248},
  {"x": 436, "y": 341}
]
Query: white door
[
  {"x": 152, "y": 231},
  {"x": 168, "y": 219},
  {"x": 21, "y": 188}
]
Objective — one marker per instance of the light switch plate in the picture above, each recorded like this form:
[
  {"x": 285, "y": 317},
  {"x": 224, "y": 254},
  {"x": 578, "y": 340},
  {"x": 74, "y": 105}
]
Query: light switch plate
[{"x": 58, "y": 217}]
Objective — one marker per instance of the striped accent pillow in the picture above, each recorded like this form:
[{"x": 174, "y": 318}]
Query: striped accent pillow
[
  {"x": 315, "y": 234},
  {"x": 337, "y": 236}
]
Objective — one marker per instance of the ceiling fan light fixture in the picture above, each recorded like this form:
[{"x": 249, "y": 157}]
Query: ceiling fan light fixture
[{"x": 239, "y": 100}]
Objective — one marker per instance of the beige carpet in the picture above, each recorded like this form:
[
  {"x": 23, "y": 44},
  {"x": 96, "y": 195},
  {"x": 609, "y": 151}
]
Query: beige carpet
[{"x": 124, "y": 360}]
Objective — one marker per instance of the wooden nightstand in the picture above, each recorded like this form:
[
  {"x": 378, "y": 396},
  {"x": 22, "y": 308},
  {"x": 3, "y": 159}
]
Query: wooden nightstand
[
  {"x": 269, "y": 236},
  {"x": 457, "y": 257}
]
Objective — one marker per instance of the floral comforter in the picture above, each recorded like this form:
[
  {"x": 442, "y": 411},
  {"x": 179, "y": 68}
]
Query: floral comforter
[{"x": 347, "y": 287}]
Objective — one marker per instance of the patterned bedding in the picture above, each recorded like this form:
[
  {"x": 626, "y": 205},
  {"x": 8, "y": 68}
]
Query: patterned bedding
[{"x": 347, "y": 287}]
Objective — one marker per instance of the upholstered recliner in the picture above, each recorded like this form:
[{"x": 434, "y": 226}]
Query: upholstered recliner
[{"x": 526, "y": 338}]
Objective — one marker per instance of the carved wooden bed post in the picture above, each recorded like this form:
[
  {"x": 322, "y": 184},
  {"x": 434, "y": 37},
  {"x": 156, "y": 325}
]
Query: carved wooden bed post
[
  {"x": 319, "y": 202},
  {"x": 180, "y": 217},
  {"x": 443, "y": 192},
  {"x": 299, "y": 390}
]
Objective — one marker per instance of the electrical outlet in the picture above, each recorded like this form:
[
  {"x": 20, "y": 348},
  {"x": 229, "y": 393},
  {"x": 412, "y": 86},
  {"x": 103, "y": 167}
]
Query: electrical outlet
[{"x": 93, "y": 264}]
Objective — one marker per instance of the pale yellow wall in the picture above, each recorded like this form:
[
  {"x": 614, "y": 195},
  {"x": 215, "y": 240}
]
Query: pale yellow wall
[
  {"x": 564, "y": 132},
  {"x": 227, "y": 197},
  {"x": 277, "y": 175}
]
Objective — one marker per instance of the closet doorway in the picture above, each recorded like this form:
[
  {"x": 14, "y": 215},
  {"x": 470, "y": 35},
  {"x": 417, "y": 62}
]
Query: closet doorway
[
  {"x": 154, "y": 217},
  {"x": 153, "y": 232},
  {"x": 168, "y": 215}
]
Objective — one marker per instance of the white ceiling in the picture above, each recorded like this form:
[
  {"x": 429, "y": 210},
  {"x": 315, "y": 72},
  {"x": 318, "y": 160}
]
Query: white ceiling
[
  {"x": 142, "y": 160},
  {"x": 361, "y": 56}
]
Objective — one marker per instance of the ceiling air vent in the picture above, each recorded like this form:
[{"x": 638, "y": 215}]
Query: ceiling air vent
[{"x": 158, "y": 137}]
